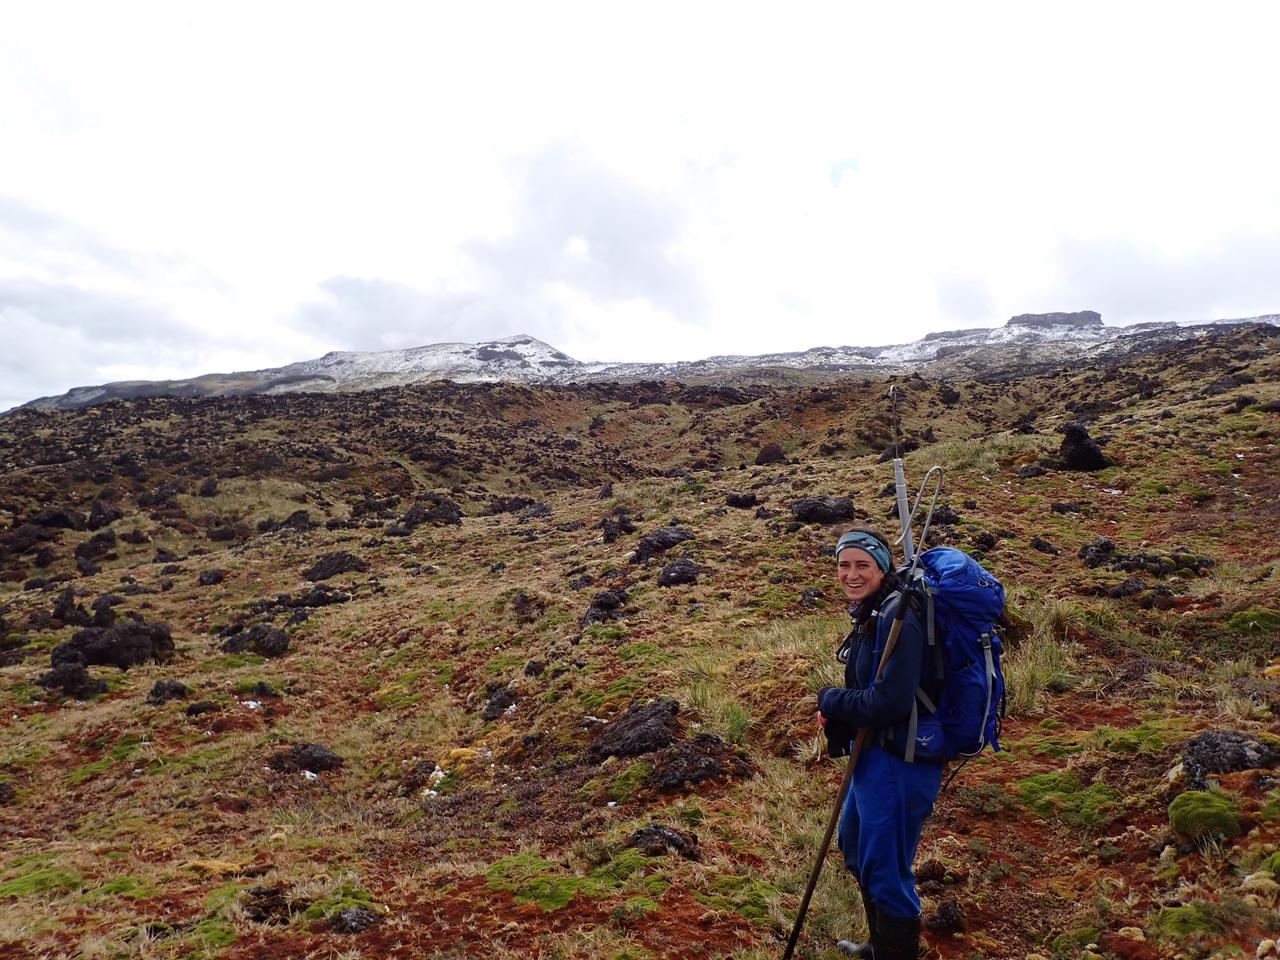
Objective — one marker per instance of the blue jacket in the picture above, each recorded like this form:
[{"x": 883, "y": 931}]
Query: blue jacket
[{"x": 883, "y": 705}]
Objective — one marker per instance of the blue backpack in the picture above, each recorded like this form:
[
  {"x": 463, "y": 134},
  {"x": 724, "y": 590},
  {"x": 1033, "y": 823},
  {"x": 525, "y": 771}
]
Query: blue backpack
[{"x": 962, "y": 607}]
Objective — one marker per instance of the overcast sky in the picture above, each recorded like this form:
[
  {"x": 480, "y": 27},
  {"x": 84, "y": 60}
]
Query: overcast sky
[{"x": 189, "y": 188}]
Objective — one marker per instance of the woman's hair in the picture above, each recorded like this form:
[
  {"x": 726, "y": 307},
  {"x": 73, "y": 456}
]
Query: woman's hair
[{"x": 863, "y": 610}]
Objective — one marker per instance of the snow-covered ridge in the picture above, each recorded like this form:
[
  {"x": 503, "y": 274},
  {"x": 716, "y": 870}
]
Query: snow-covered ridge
[{"x": 1026, "y": 339}]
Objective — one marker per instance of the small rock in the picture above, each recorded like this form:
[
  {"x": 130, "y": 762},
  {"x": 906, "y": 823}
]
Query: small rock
[
  {"x": 1225, "y": 751},
  {"x": 306, "y": 756},
  {"x": 332, "y": 564},
  {"x": 823, "y": 509},
  {"x": 678, "y": 572},
  {"x": 769, "y": 454},
  {"x": 947, "y": 918},
  {"x": 354, "y": 920},
  {"x": 498, "y": 703},
  {"x": 643, "y": 728},
  {"x": 660, "y": 541},
  {"x": 262, "y": 639},
  {"x": 165, "y": 690},
  {"x": 658, "y": 841},
  {"x": 212, "y": 577},
  {"x": 74, "y": 680},
  {"x": 1079, "y": 451},
  {"x": 1044, "y": 546},
  {"x": 693, "y": 761}
]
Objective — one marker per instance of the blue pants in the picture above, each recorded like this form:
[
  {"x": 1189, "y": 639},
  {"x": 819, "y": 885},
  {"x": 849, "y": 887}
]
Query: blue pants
[{"x": 880, "y": 827}]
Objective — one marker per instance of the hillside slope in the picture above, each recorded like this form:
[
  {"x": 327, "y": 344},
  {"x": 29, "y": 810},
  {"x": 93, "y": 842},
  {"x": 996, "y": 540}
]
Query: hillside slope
[{"x": 408, "y": 623}]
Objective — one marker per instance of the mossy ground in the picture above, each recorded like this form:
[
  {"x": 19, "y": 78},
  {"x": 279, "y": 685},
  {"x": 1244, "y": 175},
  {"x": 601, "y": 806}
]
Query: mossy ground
[{"x": 128, "y": 816}]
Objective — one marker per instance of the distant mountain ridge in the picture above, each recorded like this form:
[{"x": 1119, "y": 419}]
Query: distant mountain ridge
[{"x": 1026, "y": 339}]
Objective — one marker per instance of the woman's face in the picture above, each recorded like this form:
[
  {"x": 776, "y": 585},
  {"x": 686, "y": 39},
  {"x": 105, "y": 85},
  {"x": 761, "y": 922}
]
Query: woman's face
[{"x": 859, "y": 575}]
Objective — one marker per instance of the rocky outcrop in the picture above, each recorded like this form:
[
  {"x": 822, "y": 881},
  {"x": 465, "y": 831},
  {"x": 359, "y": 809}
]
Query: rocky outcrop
[{"x": 1081, "y": 318}]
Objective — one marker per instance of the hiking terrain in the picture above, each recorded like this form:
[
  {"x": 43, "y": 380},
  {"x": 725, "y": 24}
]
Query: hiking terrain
[{"x": 517, "y": 670}]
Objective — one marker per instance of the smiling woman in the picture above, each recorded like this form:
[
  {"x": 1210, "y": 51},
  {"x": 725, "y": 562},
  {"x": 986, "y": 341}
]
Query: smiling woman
[{"x": 894, "y": 783}]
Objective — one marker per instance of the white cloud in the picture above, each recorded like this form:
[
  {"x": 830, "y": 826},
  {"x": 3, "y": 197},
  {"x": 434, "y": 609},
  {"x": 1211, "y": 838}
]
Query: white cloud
[{"x": 659, "y": 183}]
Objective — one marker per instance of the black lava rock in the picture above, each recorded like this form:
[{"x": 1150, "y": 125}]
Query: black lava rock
[
  {"x": 682, "y": 570},
  {"x": 742, "y": 501},
  {"x": 72, "y": 679},
  {"x": 498, "y": 703},
  {"x": 770, "y": 453},
  {"x": 127, "y": 644},
  {"x": 690, "y": 762},
  {"x": 306, "y": 756},
  {"x": 261, "y": 638},
  {"x": 948, "y": 918},
  {"x": 606, "y": 607},
  {"x": 660, "y": 541},
  {"x": 168, "y": 690},
  {"x": 1225, "y": 751},
  {"x": 1097, "y": 553},
  {"x": 823, "y": 509},
  {"x": 1044, "y": 546},
  {"x": 1079, "y": 451},
  {"x": 103, "y": 513},
  {"x": 354, "y": 920},
  {"x": 641, "y": 729},
  {"x": 212, "y": 577},
  {"x": 332, "y": 564},
  {"x": 431, "y": 509},
  {"x": 1029, "y": 471},
  {"x": 656, "y": 840}
]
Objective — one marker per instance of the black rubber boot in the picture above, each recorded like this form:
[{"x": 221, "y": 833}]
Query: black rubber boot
[
  {"x": 867, "y": 950},
  {"x": 896, "y": 938}
]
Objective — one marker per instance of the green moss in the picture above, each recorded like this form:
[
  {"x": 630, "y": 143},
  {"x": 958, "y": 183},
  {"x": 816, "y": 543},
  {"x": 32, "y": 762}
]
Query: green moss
[
  {"x": 211, "y": 934},
  {"x": 42, "y": 881},
  {"x": 1070, "y": 942},
  {"x": 744, "y": 896},
  {"x": 1140, "y": 739},
  {"x": 625, "y": 687},
  {"x": 1174, "y": 922},
  {"x": 626, "y": 784},
  {"x": 1262, "y": 619},
  {"x": 503, "y": 663},
  {"x": 1201, "y": 815},
  {"x": 230, "y": 661},
  {"x": 621, "y": 866},
  {"x": 88, "y": 771},
  {"x": 1271, "y": 864},
  {"x": 607, "y": 632},
  {"x": 1060, "y": 795},
  {"x": 633, "y": 908},
  {"x": 221, "y": 897},
  {"x": 647, "y": 653},
  {"x": 530, "y": 879},
  {"x": 131, "y": 887}
]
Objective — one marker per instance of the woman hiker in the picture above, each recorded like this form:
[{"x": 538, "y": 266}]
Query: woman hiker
[{"x": 890, "y": 798}]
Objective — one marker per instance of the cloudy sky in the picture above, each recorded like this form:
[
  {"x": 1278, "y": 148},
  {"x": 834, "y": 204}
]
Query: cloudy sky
[{"x": 187, "y": 188}]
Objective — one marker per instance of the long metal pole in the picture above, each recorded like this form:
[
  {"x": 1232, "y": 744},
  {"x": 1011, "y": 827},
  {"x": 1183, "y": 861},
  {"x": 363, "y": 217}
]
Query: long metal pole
[
  {"x": 900, "y": 479},
  {"x": 864, "y": 734}
]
